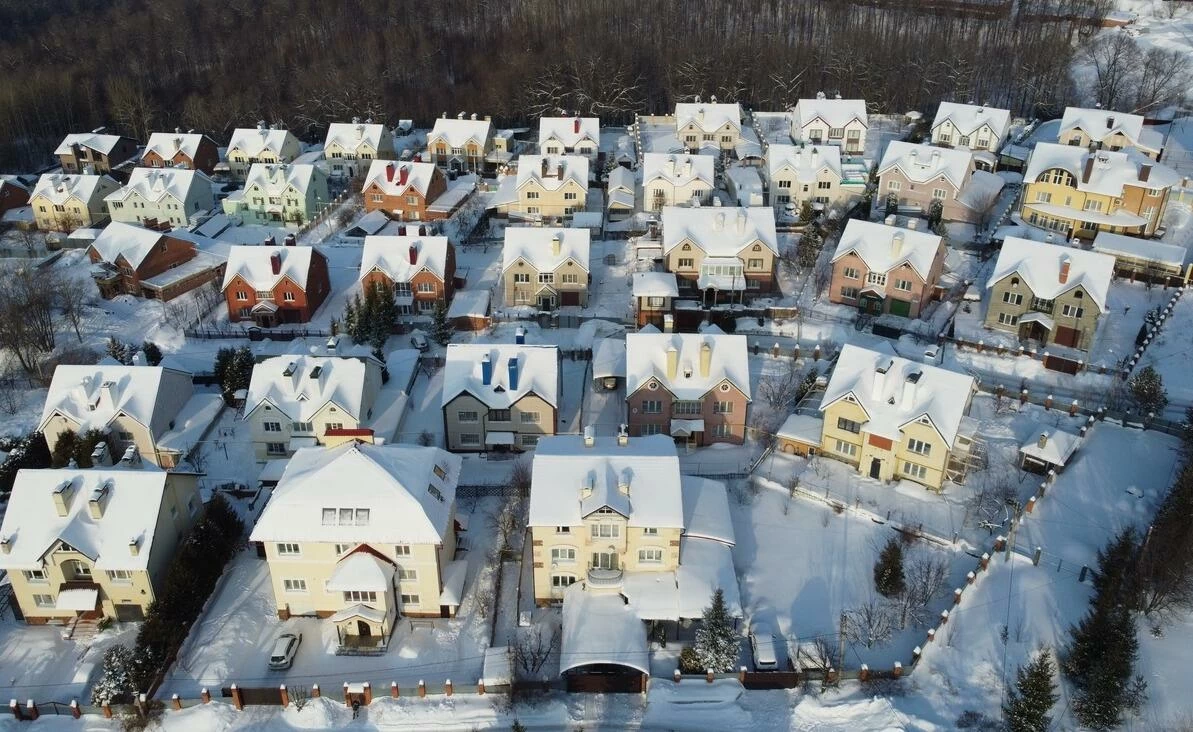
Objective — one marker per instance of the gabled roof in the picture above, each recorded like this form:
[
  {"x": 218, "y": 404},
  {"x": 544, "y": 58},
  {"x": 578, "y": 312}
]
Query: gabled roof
[
  {"x": 1058, "y": 446},
  {"x": 275, "y": 178},
  {"x": 646, "y": 361},
  {"x": 537, "y": 371},
  {"x": 655, "y": 284},
  {"x": 678, "y": 170},
  {"x": 924, "y": 163},
  {"x": 1099, "y": 124},
  {"x": 536, "y": 245},
  {"x": 969, "y": 118},
  {"x": 1110, "y": 171},
  {"x": 61, "y": 187},
  {"x": 621, "y": 178},
  {"x": 95, "y": 141},
  {"x": 299, "y": 386},
  {"x": 253, "y": 263},
  {"x": 92, "y": 395},
  {"x": 457, "y": 132},
  {"x": 833, "y": 112},
  {"x": 894, "y": 399},
  {"x": 884, "y": 248},
  {"x": 1173, "y": 255},
  {"x": 719, "y": 231},
  {"x": 391, "y": 255},
  {"x": 130, "y": 513},
  {"x": 351, "y": 135},
  {"x": 388, "y": 176},
  {"x": 553, "y": 172},
  {"x": 252, "y": 141},
  {"x": 806, "y": 161},
  {"x": 156, "y": 184},
  {"x": 169, "y": 144},
  {"x": 569, "y": 130},
  {"x": 1039, "y": 266},
  {"x": 134, "y": 243},
  {"x": 707, "y": 115},
  {"x": 407, "y": 500}
]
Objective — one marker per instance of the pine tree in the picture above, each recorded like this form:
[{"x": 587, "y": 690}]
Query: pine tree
[
  {"x": 888, "y": 570},
  {"x": 1147, "y": 389},
  {"x": 64, "y": 449},
  {"x": 806, "y": 212},
  {"x": 1027, "y": 706},
  {"x": 892, "y": 204},
  {"x": 935, "y": 212},
  {"x": 717, "y": 645},
  {"x": 382, "y": 315},
  {"x": 153, "y": 354},
  {"x": 119, "y": 351},
  {"x": 116, "y": 682},
  {"x": 442, "y": 329}
]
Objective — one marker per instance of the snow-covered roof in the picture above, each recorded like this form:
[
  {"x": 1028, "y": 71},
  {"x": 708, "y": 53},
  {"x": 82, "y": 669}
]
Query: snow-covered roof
[
  {"x": 707, "y": 566},
  {"x": 132, "y": 242},
  {"x": 570, "y": 480},
  {"x": 883, "y": 248},
  {"x": 469, "y": 304},
  {"x": 537, "y": 371},
  {"x": 454, "y": 575},
  {"x": 803, "y": 428},
  {"x": 169, "y": 144},
  {"x": 299, "y": 386},
  {"x": 252, "y": 141},
  {"x": 969, "y": 118},
  {"x": 155, "y": 184},
  {"x": 391, "y": 255},
  {"x": 719, "y": 231},
  {"x": 601, "y": 629},
  {"x": 394, "y": 178},
  {"x": 677, "y": 169},
  {"x": 707, "y": 116},
  {"x": 924, "y": 163},
  {"x": 408, "y": 492},
  {"x": 91, "y": 396},
  {"x": 458, "y": 132},
  {"x": 647, "y": 354},
  {"x": 706, "y": 510},
  {"x": 834, "y": 113},
  {"x": 746, "y": 181},
  {"x": 191, "y": 422},
  {"x": 1132, "y": 246},
  {"x": 608, "y": 358},
  {"x": 655, "y": 284},
  {"x": 1100, "y": 124},
  {"x": 130, "y": 510},
  {"x": 95, "y": 141},
  {"x": 894, "y": 392},
  {"x": 276, "y": 178},
  {"x": 621, "y": 178},
  {"x": 361, "y": 570},
  {"x": 1109, "y": 171},
  {"x": 806, "y": 161},
  {"x": 1058, "y": 446},
  {"x": 61, "y": 187},
  {"x": 1039, "y": 265},
  {"x": 353, "y": 135},
  {"x": 553, "y": 172},
  {"x": 545, "y": 248},
  {"x": 569, "y": 130},
  {"x": 254, "y": 264}
]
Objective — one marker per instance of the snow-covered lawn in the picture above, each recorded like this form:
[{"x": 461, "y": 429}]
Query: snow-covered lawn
[
  {"x": 36, "y": 663},
  {"x": 1170, "y": 354}
]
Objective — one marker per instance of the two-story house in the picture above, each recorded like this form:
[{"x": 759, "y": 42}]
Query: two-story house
[
  {"x": 677, "y": 180},
  {"x": 1048, "y": 293},
  {"x": 185, "y": 150},
  {"x": 67, "y": 201},
  {"x": 94, "y": 152},
  {"x": 895, "y": 419},
  {"x": 378, "y": 547},
  {"x": 550, "y": 187},
  {"x": 350, "y": 147},
  {"x": 80, "y": 545},
  {"x": 132, "y": 260},
  {"x": 886, "y": 269},
  {"x": 292, "y": 194},
  {"x": 1105, "y": 129},
  {"x": 272, "y": 285},
  {"x": 654, "y": 296},
  {"x": 917, "y": 176},
  {"x": 293, "y": 401},
  {"x": 404, "y": 191},
  {"x": 979, "y": 128},
  {"x": 421, "y": 270},
  {"x": 824, "y": 121},
  {"x": 721, "y": 253},
  {"x": 501, "y": 396},
  {"x": 460, "y": 144},
  {"x": 1081, "y": 192},
  {"x": 570, "y": 136},
  {"x": 13, "y": 193},
  {"x": 260, "y": 144},
  {"x": 708, "y": 124},
  {"x": 620, "y": 194},
  {"x": 811, "y": 173},
  {"x": 544, "y": 267},
  {"x": 694, "y": 387},
  {"x": 165, "y": 198}
]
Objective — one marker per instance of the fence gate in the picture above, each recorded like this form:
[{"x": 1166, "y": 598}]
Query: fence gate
[
  {"x": 53, "y": 707},
  {"x": 1063, "y": 365},
  {"x": 256, "y": 695}
]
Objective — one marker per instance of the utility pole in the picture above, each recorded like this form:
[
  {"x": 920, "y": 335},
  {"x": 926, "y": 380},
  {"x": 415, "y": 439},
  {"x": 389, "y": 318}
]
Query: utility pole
[
  {"x": 841, "y": 646},
  {"x": 1011, "y": 539}
]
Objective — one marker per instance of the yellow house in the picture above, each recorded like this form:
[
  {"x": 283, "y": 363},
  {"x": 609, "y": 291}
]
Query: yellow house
[
  {"x": 65, "y": 202},
  {"x": 550, "y": 186},
  {"x": 361, "y": 535},
  {"x": 260, "y": 144},
  {"x": 1105, "y": 129},
  {"x": 721, "y": 254},
  {"x": 895, "y": 419},
  {"x": 545, "y": 268},
  {"x": 350, "y": 147},
  {"x": 708, "y": 124},
  {"x": 502, "y": 396},
  {"x": 80, "y": 545},
  {"x": 460, "y": 144}
]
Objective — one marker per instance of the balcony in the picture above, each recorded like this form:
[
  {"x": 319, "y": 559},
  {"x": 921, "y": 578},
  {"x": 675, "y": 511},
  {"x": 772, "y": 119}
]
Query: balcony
[{"x": 604, "y": 578}]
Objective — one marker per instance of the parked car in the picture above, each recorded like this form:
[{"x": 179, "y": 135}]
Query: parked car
[
  {"x": 762, "y": 645},
  {"x": 419, "y": 341},
  {"x": 284, "y": 650}
]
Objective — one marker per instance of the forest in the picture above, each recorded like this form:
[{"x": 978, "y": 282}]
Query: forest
[{"x": 141, "y": 65}]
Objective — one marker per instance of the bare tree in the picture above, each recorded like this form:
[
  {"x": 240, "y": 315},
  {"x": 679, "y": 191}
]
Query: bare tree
[
  {"x": 926, "y": 575},
  {"x": 1115, "y": 59},
  {"x": 870, "y": 624},
  {"x": 531, "y": 649},
  {"x": 72, "y": 299},
  {"x": 28, "y": 314},
  {"x": 1163, "y": 78}
]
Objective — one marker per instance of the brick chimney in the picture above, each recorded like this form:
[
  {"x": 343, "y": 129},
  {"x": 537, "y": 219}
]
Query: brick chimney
[
  {"x": 413, "y": 254},
  {"x": 1064, "y": 270},
  {"x": 543, "y": 168},
  {"x": 275, "y": 262},
  {"x": 403, "y": 175},
  {"x": 1088, "y": 169},
  {"x": 389, "y": 173},
  {"x": 576, "y": 126}
]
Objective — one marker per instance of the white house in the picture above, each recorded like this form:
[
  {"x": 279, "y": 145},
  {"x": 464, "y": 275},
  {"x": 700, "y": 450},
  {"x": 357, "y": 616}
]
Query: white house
[
  {"x": 350, "y": 146},
  {"x": 280, "y": 194},
  {"x": 708, "y": 124},
  {"x": 812, "y": 173},
  {"x": 260, "y": 144},
  {"x": 570, "y": 135},
  {"x": 1107, "y": 129},
  {"x": 976, "y": 127},
  {"x": 729, "y": 250},
  {"x": 677, "y": 180},
  {"x": 165, "y": 196},
  {"x": 841, "y": 122},
  {"x": 545, "y": 266}
]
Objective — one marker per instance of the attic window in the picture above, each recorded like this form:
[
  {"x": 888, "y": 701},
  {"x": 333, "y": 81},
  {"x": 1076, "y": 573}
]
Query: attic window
[
  {"x": 652, "y": 385},
  {"x": 316, "y": 371},
  {"x": 687, "y": 247},
  {"x": 1014, "y": 282},
  {"x": 849, "y": 398},
  {"x": 757, "y": 247},
  {"x": 499, "y": 388},
  {"x": 1078, "y": 294},
  {"x": 440, "y": 472},
  {"x": 724, "y": 387},
  {"x": 891, "y": 400},
  {"x": 435, "y": 493},
  {"x": 925, "y": 420}
]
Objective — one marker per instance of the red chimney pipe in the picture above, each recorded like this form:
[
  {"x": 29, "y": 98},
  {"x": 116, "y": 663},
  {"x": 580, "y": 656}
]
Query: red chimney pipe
[
  {"x": 389, "y": 173},
  {"x": 403, "y": 175},
  {"x": 1064, "y": 270},
  {"x": 275, "y": 262},
  {"x": 576, "y": 126},
  {"x": 413, "y": 254}
]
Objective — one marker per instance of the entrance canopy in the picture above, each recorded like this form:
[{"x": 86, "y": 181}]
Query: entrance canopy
[
  {"x": 77, "y": 600},
  {"x": 363, "y": 612},
  {"x": 686, "y": 427},
  {"x": 499, "y": 438},
  {"x": 1040, "y": 318}
]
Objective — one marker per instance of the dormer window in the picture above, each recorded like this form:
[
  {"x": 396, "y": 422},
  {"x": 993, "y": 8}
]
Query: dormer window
[
  {"x": 440, "y": 472},
  {"x": 435, "y": 493}
]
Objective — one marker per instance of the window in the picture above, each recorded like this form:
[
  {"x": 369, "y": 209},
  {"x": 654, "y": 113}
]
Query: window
[
  {"x": 288, "y": 550},
  {"x": 434, "y": 492},
  {"x": 836, "y": 133},
  {"x": 563, "y": 554},
  {"x": 288, "y": 296},
  {"x": 754, "y": 264},
  {"x": 912, "y": 470},
  {"x": 275, "y": 448},
  {"x": 467, "y": 417},
  {"x": 343, "y": 548},
  {"x": 708, "y": 137},
  {"x": 560, "y": 581},
  {"x": 532, "y": 195},
  {"x": 650, "y": 556},
  {"x": 43, "y": 600},
  {"x": 546, "y": 278},
  {"x": 904, "y": 285},
  {"x": 605, "y": 531},
  {"x": 36, "y": 575},
  {"x": 563, "y": 529},
  {"x": 686, "y": 408},
  {"x": 655, "y": 302},
  {"x": 470, "y": 438},
  {"x": 893, "y": 185},
  {"x": 686, "y": 263},
  {"x": 528, "y": 440},
  {"x": 963, "y": 140},
  {"x": 120, "y": 576},
  {"x": 651, "y": 429},
  {"x": 1012, "y": 298},
  {"x": 569, "y": 196},
  {"x": 652, "y": 406},
  {"x": 875, "y": 278},
  {"x": 722, "y": 430},
  {"x": 302, "y": 427},
  {"x": 1093, "y": 205},
  {"x": 848, "y": 425},
  {"x": 521, "y": 278},
  {"x": 784, "y": 184},
  {"x": 499, "y": 415},
  {"x": 919, "y": 447},
  {"x": 294, "y": 585},
  {"x": 378, "y": 198},
  {"x": 359, "y": 596},
  {"x": 571, "y": 279},
  {"x": 1072, "y": 311},
  {"x": 849, "y": 293},
  {"x": 1043, "y": 197},
  {"x": 722, "y": 407},
  {"x": 426, "y": 287},
  {"x": 530, "y": 417},
  {"x": 410, "y": 575},
  {"x": 410, "y": 599},
  {"x": 846, "y": 448},
  {"x": 1005, "y": 319},
  {"x": 824, "y": 185},
  {"x": 272, "y": 426}
]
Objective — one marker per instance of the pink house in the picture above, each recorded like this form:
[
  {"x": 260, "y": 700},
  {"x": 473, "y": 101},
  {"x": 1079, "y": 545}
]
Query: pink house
[{"x": 886, "y": 269}]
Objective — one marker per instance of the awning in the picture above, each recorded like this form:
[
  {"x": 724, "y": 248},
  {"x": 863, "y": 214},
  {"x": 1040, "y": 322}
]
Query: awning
[
  {"x": 499, "y": 438},
  {"x": 453, "y": 582},
  {"x": 359, "y": 611},
  {"x": 265, "y": 306},
  {"x": 297, "y": 443},
  {"x": 77, "y": 600},
  {"x": 686, "y": 427},
  {"x": 1040, "y": 318}
]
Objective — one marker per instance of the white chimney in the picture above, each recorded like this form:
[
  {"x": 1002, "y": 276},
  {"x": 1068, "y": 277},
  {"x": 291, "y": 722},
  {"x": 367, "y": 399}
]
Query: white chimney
[
  {"x": 6, "y": 544},
  {"x": 587, "y": 485},
  {"x": 672, "y": 362},
  {"x": 741, "y": 221},
  {"x": 589, "y": 436},
  {"x": 99, "y": 499},
  {"x": 556, "y": 244},
  {"x": 1043, "y": 441},
  {"x": 910, "y": 384},
  {"x": 623, "y": 435},
  {"x": 896, "y": 244},
  {"x": 879, "y": 386},
  {"x": 705, "y": 358},
  {"x": 623, "y": 481},
  {"x": 134, "y": 546},
  {"x": 62, "y": 495}
]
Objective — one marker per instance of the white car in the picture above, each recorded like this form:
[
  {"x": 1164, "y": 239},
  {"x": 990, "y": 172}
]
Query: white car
[
  {"x": 762, "y": 644},
  {"x": 284, "y": 650}
]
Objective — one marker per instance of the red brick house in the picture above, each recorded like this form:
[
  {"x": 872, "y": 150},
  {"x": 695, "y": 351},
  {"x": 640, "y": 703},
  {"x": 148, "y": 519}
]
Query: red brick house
[
  {"x": 272, "y": 285},
  {"x": 189, "y": 150},
  {"x": 12, "y": 194},
  {"x": 131, "y": 260},
  {"x": 420, "y": 269},
  {"x": 404, "y": 191}
]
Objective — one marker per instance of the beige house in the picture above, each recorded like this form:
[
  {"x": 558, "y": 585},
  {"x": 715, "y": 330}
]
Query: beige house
[
  {"x": 1048, "y": 293},
  {"x": 161, "y": 197},
  {"x": 65, "y": 202},
  {"x": 362, "y": 535},
  {"x": 677, "y": 180},
  {"x": 824, "y": 121},
  {"x": 918, "y": 176},
  {"x": 499, "y": 396},
  {"x": 544, "y": 267},
  {"x": 293, "y": 401},
  {"x": 1104, "y": 129},
  {"x": 979, "y": 128},
  {"x": 550, "y": 187},
  {"x": 886, "y": 269},
  {"x": 350, "y": 147},
  {"x": 260, "y": 144},
  {"x": 291, "y": 194},
  {"x": 80, "y": 545},
  {"x": 895, "y": 419},
  {"x": 811, "y": 173},
  {"x": 461, "y": 144},
  {"x": 721, "y": 254},
  {"x": 708, "y": 124},
  {"x": 570, "y": 135}
]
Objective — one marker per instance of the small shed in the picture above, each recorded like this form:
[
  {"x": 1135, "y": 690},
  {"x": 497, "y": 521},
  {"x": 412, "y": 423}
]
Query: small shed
[
  {"x": 800, "y": 435},
  {"x": 469, "y": 310},
  {"x": 608, "y": 363},
  {"x": 1051, "y": 449},
  {"x": 591, "y": 220}
]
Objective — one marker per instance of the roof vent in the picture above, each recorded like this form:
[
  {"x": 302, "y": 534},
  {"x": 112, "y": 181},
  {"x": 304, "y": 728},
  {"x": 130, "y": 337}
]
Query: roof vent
[
  {"x": 316, "y": 371},
  {"x": 589, "y": 436},
  {"x": 289, "y": 370}
]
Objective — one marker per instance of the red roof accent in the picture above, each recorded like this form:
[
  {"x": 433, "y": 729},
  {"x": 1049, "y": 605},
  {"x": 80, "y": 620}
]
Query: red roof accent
[{"x": 349, "y": 432}]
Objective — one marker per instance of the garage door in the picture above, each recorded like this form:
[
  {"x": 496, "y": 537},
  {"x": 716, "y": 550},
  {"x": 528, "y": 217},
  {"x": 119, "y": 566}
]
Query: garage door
[
  {"x": 1068, "y": 336},
  {"x": 129, "y": 613},
  {"x": 901, "y": 307},
  {"x": 569, "y": 298}
]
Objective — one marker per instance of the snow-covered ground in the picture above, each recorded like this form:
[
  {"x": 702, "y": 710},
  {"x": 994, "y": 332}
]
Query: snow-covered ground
[{"x": 36, "y": 663}]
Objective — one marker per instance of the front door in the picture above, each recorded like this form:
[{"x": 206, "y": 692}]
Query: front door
[
  {"x": 363, "y": 629},
  {"x": 604, "y": 560},
  {"x": 875, "y": 468}
]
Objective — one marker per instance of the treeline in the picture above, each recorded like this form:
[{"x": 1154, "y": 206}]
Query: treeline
[{"x": 140, "y": 65}]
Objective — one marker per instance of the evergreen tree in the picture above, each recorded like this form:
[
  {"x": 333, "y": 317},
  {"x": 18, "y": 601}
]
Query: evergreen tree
[
  {"x": 892, "y": 204},
  {"x": 806, "y": 212},
  {"x": 717, "y": 646},
  {"x": 888, "y": 570},
  {"x": 1027, "y": 706},
  {"x": 64, "y": 449},
  {"x": 85, "y": 445},
  {"x": 119, "y": 351},
  {"x": 935, "y": 212},
  {"x": 233, "y": 369},
  {"x": 31, "y": 452},
  {"x": 116, "y": 681},
  {"x": 153, "y": 354},
  {"x": 442, "y": 329},
  {"x": 1147, "y": 389},
  {"x": 382, "y": 315}
]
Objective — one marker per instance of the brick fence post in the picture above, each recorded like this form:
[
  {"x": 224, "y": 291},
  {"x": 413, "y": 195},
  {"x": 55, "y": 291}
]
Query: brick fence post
[
  {"x": 15, "y": 708},
  {"x": 31, "y": 710},
  {"x": 708, "y": 676},
  {"x": 285, "y": 695},
  {"x": 315, "y": 693},
  {"x": 447, "y": 687},
  {"x": 741, "y": 674},
  {"x": 480, "y": 687},
  {"x": 107, "y": 710},
  {"x": 347, "y": 696},
  {"x": 422, "y": 689},
  {"x": 368, "y": 694},
  {"x": 74, "y": 709},
  {"x": 175, "y": 702},
  {"x": 205, "y": 695},
  {"x": 393, "y": 690},
  {"x": 863, "y": 673},
  {"x": 237, "y": 699},
  {"x": 958, "y": 592},
  {"x": 897, "y": 671},
  {"x": 676, "y": 676}
]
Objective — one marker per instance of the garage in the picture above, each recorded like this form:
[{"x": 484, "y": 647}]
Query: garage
[
  {"x": 129, "y": 613},
  {"x": 569, "y": 298},
  {"x": 900, "y": 307},
  {"x": 1070, "y": 337}
]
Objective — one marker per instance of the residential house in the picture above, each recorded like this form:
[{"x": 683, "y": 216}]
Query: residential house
[
  {"x": 1048, "y": 293},
  {"x": 94, "y": 153},
  {"x": 654, "y": 297},
  {"x": 620, "y": 194},
  {"x": 420, "y": 269},
  {"x": 293, "y": 401},
  {"x": 694, "y": 387},
  {"x": 1148, "y": 260},
  {"x": 551, "y": 187},
  {"x": 131, "y": 260},
  {"x": 188, "y": 151},
  {"x": 977, "y": 127},
  {"x": 744, "y": 185},
  {"x": 81, "y": 545},
  {"x": 379, "y": 547},
  {"x": 260, "y": 144},
  {"x": 404, "y": 191},
  {"x": 164, "y": 198},
  {"x": 895, "y": 419},
  {"x": 917, "y": 176},
  {"x": 13, "y": 194},
  {"x": 1080, "y": 192},
  {"x": 272, "y": 285},
  {"x": 717, "y": 250},
  {"x": 291, "y": 194},
  {"x": 351, "y": 146},
  {"x": 677, "y": 180},
  {"x": 886, "y": 269},
  {"x": 545, "y": 267},
  {"x": 708, "y": 124},
  {"x": 65, "y": 202},
  {"x": 811, "y": 173},
  {"x": 1104, "y": 129},
  {"x": 460, "y": 144},
  {"x": 499, "y": 396},
  {"x": 570, "y": 135},
  {"x": 840, "y": 122}
]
